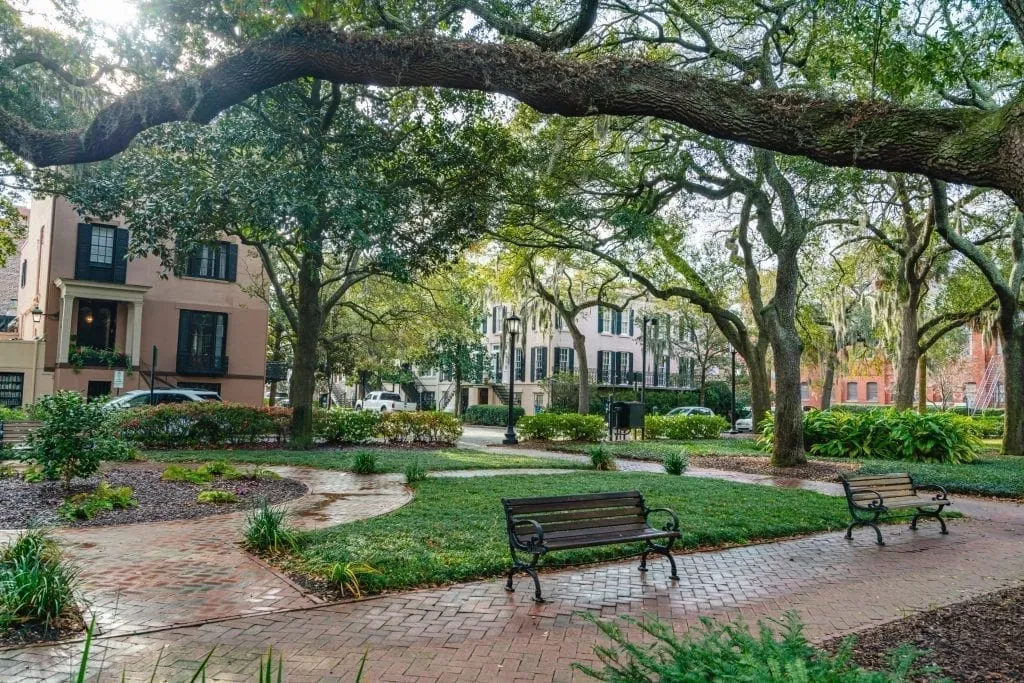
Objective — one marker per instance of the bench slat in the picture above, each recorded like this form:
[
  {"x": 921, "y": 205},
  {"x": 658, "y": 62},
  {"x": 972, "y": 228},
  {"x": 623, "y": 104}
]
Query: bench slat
[
  {"x": 633, "y": 528},
  {"x": 529, "y": 508},
  {"x": 609, "y": 539},
  {"x": 603, "y": 495},
  {"x": 528, "y": 530},
  {"x": 590, "y": 513},
  {"x": 877, "y": 478}
]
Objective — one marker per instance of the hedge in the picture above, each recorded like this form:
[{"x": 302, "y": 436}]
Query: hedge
[
  {"x": 427, "y": 427},
  {"x": 684, "y": 427},
  {"x": 205, "y": 424},
  {"x": 572, "y": 426},
  {"x": 490, "y": 415},
  {"x": 345, "y": 426},
  {"x": 886, "y": 434}
]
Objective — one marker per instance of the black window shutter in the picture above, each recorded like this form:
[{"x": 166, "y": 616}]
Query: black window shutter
[
  {"x": 120, "y": 254},
  {"x": 616, "y": 322},
  {"x": 632, "y": 329},
  {"x": 82, "y": 255},
  {"x": 572, "y": 361},
  {"x": 494, "y": 319},
  {"x": 232, "y": 265},
  {"x": 184, "y": 331},
  {"x": 543, "y": 362},
  {"x": 630, "y": 354},
  {"x": 600, "y": 366},
  {"x": 600, "y": 319}
]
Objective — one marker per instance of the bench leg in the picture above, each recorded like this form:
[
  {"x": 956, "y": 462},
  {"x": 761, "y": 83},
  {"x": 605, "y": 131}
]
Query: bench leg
[
  {"x": 530, "y": 569},
  {"x": 508, "y": 586},
  {"x": 865, "y": 522},
  {"x": 937, "y": 514},
  {"x": 665, "y": 550},
  {"x": 643, "y": 562}
]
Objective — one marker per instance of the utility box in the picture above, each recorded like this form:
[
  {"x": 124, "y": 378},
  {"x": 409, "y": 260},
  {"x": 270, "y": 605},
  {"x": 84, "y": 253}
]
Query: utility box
[{"x": 627, "y": 415}]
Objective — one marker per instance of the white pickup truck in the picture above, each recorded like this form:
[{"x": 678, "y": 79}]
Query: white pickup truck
[{"x": 384, "y": 402}]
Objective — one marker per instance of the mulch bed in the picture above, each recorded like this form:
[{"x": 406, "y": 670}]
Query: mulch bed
[
  {"x": 975, "y": 640},
  {"x": 813, "y": 469},
  {"x": 71, "y": 627},
  {"x": 23, "y": 504}
]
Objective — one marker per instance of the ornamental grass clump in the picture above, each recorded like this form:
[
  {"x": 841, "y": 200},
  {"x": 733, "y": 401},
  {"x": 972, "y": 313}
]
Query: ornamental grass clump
[
  {"x": 265, "y": 529},
  {"x": 675, "y": 463},
  {"x": 216, "y": 497},
  {"x": 37, "y": 585},
  {"x": 364, "y": 462},
  {"x": 601, "y": 459},
  {"x": 415, "y": 472},
  {"x": 85, "y": 506}
]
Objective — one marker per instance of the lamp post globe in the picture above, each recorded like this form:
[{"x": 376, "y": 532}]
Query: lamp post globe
[{"x": 512, "y": 328}]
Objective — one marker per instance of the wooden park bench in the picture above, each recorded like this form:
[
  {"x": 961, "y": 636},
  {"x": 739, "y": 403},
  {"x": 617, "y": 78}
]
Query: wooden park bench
[
  {"x": 537, "y": 526},
  {"x": 873, "y": 495},
  {"x": 14, "y": 433}
]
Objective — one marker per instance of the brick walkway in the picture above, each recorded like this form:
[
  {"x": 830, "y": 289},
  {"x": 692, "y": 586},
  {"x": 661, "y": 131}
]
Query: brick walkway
[
  {"x": 148, "y": 576},
  {"x": 477, "y": 631}
]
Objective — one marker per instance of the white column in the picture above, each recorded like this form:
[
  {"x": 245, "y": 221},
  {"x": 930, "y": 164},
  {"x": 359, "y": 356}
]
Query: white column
[
  {"x": 133, "y": 335},
  {"x": 64, "y": 342}
]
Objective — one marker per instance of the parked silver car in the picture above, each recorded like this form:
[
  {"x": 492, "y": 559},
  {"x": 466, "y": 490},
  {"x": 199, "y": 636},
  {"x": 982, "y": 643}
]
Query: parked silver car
[
  {"x": 141, "y": 397},
  {"x": 690, "y": 410}
]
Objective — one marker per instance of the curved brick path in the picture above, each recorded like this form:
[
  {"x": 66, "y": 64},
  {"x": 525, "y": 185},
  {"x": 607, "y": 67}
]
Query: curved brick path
[{"x": 476, "y": 631}]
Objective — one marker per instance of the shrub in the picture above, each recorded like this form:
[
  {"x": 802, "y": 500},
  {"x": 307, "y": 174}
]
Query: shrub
[
  {"x": 202, "y": 424},
  {"x": 265, "y": 529},
  {"x": 572, "y": 426},
  {"x": 33, "y": 474},
  {"x": 12, "y": 414},
  {"x": 601, "y": 459},
  {"x": 179, "y": 473},
  {"x": 415, "y": 471},
  {"x": 730, "y": 652},
  {"x": 886, "y": 434},
  {"x": 37, "y": 585},
  {"x": 345, "y": 426},
  {"x": 345, "y": 576},
  {"x": 7, "y": 472},
  {"x": 105, "y": 497},
  {"x": 72, "y": 439},
  {"x": 676, "y": 463},
  {"x": 427, "y": 427},
  {"x": 216, "y": 497},
  {"x": 219, "y": 468},
  {"x": 364, "y": 462},
  {"x": 261, "y": 472},
  {"x": 496, "y": 416},
  {"x": 684, "y": 427}
]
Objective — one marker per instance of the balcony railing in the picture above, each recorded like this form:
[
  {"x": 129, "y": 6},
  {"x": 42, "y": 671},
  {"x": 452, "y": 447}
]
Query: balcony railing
[
  {"x": 202, "y": 364},
  {"x": 633, "y": 379}
]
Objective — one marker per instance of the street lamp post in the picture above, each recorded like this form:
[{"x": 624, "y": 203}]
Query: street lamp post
[
  {"x": 732, "y": 413},
  {"x": 512, "y": 328}
]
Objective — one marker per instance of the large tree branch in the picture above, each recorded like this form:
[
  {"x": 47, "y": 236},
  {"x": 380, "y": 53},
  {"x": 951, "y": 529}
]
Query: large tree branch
[
  {"x": 959, "y": 145},
  {"x": 566, "y": 38}
]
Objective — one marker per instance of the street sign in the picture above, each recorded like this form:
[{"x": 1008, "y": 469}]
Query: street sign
[{"x": 118, "y": 379}]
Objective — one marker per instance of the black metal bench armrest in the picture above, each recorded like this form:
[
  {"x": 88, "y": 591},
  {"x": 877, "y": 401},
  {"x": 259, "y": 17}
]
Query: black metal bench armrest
[
  {"x": 536, "y": 541},
  {"x": 940, "y": 492},
  {"x": 876, "y": 504},
  {"x": 671, "y": 526}
]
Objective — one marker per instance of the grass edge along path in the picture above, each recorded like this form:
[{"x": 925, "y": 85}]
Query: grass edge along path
[
  {"x": 454, "y": 530},
  {"x": 388, "y": 460}
]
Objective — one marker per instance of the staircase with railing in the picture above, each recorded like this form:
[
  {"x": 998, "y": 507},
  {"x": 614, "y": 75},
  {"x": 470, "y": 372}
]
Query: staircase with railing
[{"x": 990, "y": 392}]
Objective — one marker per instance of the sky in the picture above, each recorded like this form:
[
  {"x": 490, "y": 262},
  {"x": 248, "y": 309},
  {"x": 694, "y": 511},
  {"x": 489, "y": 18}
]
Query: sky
[{"x": 112, "y": 12}]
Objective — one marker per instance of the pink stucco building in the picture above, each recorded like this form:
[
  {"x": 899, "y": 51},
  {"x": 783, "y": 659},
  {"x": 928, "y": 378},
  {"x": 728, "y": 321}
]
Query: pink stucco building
[{"x": 99, "y": 313}]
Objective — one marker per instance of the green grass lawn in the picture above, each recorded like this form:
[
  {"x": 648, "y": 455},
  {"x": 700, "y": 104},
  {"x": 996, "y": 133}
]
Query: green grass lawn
[
  {"x": 990, "y": 476},
  {"x": 657, "y": 449},
  {"x": 454, "y": 530},
  {"x": 388, "y": 459}
]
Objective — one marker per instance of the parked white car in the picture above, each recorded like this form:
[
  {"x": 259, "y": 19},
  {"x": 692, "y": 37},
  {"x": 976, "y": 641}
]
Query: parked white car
[
  {"x": 141, "y": 397},
  {"x": 385, "y": 402},
  {"x": 745, "y": 423}
]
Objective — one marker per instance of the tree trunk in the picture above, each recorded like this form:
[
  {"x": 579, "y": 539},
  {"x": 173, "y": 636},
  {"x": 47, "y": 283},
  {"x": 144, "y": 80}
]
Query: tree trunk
[
  {"x": 306, "y": 338},
  {"x": 579, "y": 345},
  {"x": 830, "y": 376},
  {"x": 1013, "y": 384},
  {"x": 910, "y": 356},
  {"x": 787, "y": 349},
  {"x": 275, "y": 355},
  {"x": 703, "y": 382},
  {"x": 922, "y": 384},
  {"x": 458, "y": 408},
  {"x": 760, "y": 385}
]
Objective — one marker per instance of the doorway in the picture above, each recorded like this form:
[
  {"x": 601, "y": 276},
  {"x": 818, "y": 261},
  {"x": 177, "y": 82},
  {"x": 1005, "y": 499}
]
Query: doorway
[
  {"x": 97, "y": 390},
  {"x": 97, "y": 324},
  {"x": 483, "y": 397}
]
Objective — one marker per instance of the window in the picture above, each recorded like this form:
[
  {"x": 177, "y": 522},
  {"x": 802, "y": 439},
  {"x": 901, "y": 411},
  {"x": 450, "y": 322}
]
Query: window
[
  {"x": 496, "y": 366},
  {"x": 202, "y": 343},
  {"x": 101, "y": 248},
  {"x": 558, "y": 321},
  {"x": 851, "y": 391},
  {"x": 11, "y": 385},
  {"x": 538, "y": 363},
  {"x": 428, "y": 400},
  {"x": 390, "y": 396},
  {"x": 605, "y": 366},
  {"x": 616, "y": 322},
  {"x": 24, "y": 272},
  {"x": 971, "y": 393},
  {"x": 564, "y": 360},
  {"x": 604, "y": 322},
  {"x": 805, "y": 391},
  {"x": 215, "y": 261},
  {"x": 872, "y": 392},
  {"x": 517, "y": 398},
  {"x": 625, "y": 367},
  {"x": 538, "y": 401},
  {"x": 520, "y": 367}
]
